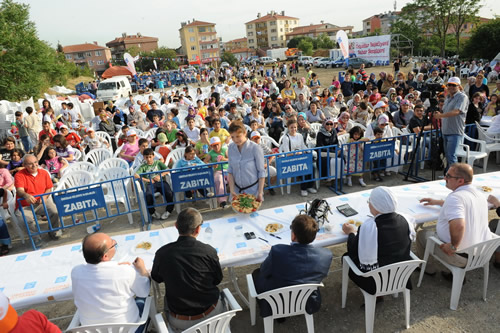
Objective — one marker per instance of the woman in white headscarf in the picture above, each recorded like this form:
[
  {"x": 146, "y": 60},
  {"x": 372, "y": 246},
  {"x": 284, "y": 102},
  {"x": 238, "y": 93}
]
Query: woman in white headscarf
[{"x": 381, "y": 240}]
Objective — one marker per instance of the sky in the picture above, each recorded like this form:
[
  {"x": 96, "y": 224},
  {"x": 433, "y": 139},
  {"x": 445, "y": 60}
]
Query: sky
[{"x": 76, "y": 22}]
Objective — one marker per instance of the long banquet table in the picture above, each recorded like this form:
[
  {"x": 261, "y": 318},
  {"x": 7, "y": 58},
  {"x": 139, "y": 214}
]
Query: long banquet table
[{"x": 45, "y": 275}]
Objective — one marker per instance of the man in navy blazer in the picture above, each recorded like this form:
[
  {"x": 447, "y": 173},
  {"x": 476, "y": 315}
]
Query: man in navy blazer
[{"x": 297, "y": 263}]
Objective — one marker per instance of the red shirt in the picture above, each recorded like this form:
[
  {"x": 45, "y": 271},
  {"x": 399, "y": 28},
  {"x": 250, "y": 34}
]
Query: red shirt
[
  {"x": 34, "y": 322},
  {"x": 50, "y": 133},
  {"x": 73, "y": 139},
  {"x": 31, "y": 184}
]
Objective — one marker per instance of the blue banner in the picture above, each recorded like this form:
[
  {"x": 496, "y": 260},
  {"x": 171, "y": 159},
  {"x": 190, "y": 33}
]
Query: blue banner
[
  {"x": 192, "y": 179},
  {"x": 295, "y": 165},
  {"x": 378, "y": 150},
  {"x": 74, "y": 202}
]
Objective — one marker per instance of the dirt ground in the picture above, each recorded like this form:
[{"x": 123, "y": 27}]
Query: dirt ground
[{"x": 429, "y": 304}]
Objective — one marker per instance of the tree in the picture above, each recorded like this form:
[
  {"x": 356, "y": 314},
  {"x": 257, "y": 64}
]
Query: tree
[
  {"x": 294, "y": 42},
  {"x": 229, "y": 58},
  {"x": 484, "y": 37},
  {"x": 465, "y": 11},
  {"x": 133, "y": 50},
  {"x": 324, "y": 42},
  {"x": 305, "y": 46},
  {"x": 408, "y": 25},
  {"x": 28, "y": 64}
]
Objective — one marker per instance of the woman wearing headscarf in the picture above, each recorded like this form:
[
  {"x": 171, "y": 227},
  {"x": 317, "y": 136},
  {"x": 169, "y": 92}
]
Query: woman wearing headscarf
[
  {"x": 327, "y": 136},
  {"x": 344, "y": 125},
  {"x": 382, "y": 240}
]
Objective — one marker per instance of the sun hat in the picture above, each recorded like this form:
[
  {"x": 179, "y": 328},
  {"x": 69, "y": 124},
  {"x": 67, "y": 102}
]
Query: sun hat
[
  {"x": 162, "y": 137},
  {"x": 215, "y": 140}
]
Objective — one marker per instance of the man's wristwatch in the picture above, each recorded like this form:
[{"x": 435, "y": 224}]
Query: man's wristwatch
[{"x": 453, "y": 247}]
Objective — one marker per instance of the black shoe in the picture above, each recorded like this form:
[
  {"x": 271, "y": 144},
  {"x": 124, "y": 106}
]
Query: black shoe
[
  {"x": 271, "y": 191},
  {"x": 223, "y": 204}
]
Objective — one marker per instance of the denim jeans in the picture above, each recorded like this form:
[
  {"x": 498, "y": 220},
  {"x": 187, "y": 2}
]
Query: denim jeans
[
  {"x": 451, "y": 142},
  {"x": 26, "y": 143},
  {"x": 140, "y": 305}
]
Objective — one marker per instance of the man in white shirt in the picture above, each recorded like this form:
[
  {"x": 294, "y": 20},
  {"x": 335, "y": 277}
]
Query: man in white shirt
[
  {"x": 462, "y": 221},
  {"x": 105, "y": 291}
]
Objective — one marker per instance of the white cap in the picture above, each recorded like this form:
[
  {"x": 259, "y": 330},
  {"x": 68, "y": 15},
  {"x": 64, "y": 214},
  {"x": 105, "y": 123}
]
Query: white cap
[
  {"x": 379, "y": 105},
  {"x": 254, "y": 134},
  {"x": 454, "y": 80},
  {"x": 214, "y": 140},
  {"x": 131, "y": 133}
]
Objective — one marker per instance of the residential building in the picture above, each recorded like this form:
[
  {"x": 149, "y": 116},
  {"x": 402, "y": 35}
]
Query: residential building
[
  {"x": 315, "y": 30},
  {"x": 269, "y": 31},
  {"x": 468, "y": 27},
  {"x": 199, "y": 41},
  {"x": 95, "y": 56},
  {"x": 243, "y": 53},
  {"x": 371, "y": 24},
  {"x": 240, "y": 43},
  {"x": 120, "y": 45}
]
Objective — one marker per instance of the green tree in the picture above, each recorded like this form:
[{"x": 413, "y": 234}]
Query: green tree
[
  {"x": 28, "y": 65},
  {"x": 133, "y": 50},
  {"x": 305, "y": 46},
  {"x": 465, "y": 11},
  {"x": 229, "y": 58},
  {"x": 324, "y": 42},
  {"x": 294, "y": 42},
  {"x": 484, "y": 37}
]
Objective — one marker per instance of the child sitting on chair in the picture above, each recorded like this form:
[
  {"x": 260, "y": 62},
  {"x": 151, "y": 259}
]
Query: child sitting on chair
[{"x": 355, "y": 155}]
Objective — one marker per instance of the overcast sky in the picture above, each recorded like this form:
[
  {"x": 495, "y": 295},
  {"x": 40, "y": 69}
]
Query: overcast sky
[{"x": 77, "y": 22}]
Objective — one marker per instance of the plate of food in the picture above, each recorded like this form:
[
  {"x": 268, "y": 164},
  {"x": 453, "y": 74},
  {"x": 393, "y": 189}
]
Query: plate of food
[
  {"x": 486, "y": 189},
  {"x": 274, "y": 228},
  {"x": 143, "y": 247},
  {"x": 355, "y": 222},
  {"x": 245, "y": 203}
]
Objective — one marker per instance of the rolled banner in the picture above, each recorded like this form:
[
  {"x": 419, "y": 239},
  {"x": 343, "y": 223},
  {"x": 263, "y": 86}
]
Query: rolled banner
[
  {"x": 343, "y": 42},
  {"x": 129, "y": 60},
  {"x": 154, "y": 62}
]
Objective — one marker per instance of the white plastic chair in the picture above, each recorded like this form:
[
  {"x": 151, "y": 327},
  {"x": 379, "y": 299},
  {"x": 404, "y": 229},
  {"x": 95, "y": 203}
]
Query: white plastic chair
[
  {"x": 215, "y": 324},
  {"x": 468, "y": 156},
  {"x": 97, "y": 156},
  {"x": 268, "y": 141},
  {"x": 390, "y": 279},
  {"x": 284, "y": 302},
  {"x": 149, "y": 311},
  {"x": 464, "y": 72},
  {"x": 113, "y": 163},
  {"x": 479, "y": 256},
  {"x": 492, "y": 144},
  {"x": 104, "y": 135},
  {"x": 10, "y": 212},
  {"x": 76, "y": 166},
  {"x": 174, "y": 156},
  {"x": 316, "y": 127},
  {"x": 78, "y": 155},
  {"x": 74, "y": 179},
  {"x": 116, "y": 192},
  {"x": 151, "y": 133},
  {"x": 118, "y": 151}
]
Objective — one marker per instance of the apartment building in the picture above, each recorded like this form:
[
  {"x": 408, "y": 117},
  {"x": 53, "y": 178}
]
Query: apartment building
[
  {"x": 119, "y": 45},
  {"x": 239, "y": 43},
  {"x": 95, "y": 56},
  {"x": 269, "y": 31},
  {"x": 199, "y": 41},
  {"x": 380, "y": 22},
  {"x": 316, "y": 30}
]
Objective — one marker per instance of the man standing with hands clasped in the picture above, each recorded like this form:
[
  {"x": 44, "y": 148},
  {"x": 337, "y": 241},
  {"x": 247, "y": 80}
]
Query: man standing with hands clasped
[
  {"x": 462, "y": 221},
  {"x": 453, "y": 119}
]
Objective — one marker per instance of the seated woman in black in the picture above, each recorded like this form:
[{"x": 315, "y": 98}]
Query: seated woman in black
[{"x": 382, "y": 240}]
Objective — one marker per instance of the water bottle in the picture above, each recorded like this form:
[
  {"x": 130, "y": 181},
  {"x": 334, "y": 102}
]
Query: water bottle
[
  {"x": 93, "y": 228},
  {"x": 208, "y": 233}
]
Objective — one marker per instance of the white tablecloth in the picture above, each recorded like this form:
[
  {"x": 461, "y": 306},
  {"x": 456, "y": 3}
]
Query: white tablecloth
[{"x": 45, "y": 275}]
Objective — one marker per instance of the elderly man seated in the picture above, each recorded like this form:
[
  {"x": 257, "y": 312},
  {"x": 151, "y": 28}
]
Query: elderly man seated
[
  {"x": 297, "y": 263},
  {"x": 107, "y": 291},
  {"x": 32, "y": 181}
]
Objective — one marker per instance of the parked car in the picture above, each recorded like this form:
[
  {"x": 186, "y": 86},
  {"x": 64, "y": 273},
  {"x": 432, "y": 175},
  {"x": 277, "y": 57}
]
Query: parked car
[
  {"x": 356, "y": 63},
  {"x": 325, "y": 63},
  {"x": 224, "y": 64},
  {"x": 303, "y": 59},
  {"x": 266, "y": 60}
]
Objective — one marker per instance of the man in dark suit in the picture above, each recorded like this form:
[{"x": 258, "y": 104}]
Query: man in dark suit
[{"x": 297, "y": 263}]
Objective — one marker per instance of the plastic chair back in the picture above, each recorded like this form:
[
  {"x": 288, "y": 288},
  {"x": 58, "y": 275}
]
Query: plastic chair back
[
  {"x": 174, "y": 156},
  {"x": 74, "y": 179},
  {"x": 103, "y": 135},
  {"x": 97, "y": 156},
  {"x": 81, "y": 166},
  {"x": 393, "y": 278},
  {"x": 113, "y": 163}
]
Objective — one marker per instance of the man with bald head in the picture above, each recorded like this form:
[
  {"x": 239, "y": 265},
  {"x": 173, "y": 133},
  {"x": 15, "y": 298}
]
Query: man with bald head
[
  {"x": 104, "y": 290},
  {"x": 462, "y": 221}
]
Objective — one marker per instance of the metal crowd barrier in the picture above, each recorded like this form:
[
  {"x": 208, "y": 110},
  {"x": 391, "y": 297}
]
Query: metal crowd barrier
[{"x": 84, "y": 204}]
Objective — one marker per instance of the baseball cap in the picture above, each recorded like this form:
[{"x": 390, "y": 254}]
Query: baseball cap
[
  {"x": 405, "y": 102},
  {"x": 383, "y": 119},
  {"x": 162, "y": 137},
  {"x": 131, "y": 133},
  {"x": 13, "y": 123},
  {"x": 75, "y": 125},
  {"x": 454, "y": 80},
  {"x": 215, "y": 140},
  {"x": 90, "y": 129},
  {"x": 379, "y": 105},
  {"x": 302, "y": 114},
  {"x": 254, "y": 134},
  {"x": 8, "y": 315},
  {"x": 63, "y": 126}
]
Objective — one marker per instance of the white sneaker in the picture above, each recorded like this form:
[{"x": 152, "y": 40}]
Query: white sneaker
[
  {"x": 388, "y": 173},
  {"x": 362, "y": 182},
  {"x": 349, "y": 182},
  {"x": 303, "y": 193},
  {"x": 156, "y": 215},
  {"x": 165, "y": 215},
  {"x": 312, "y": 190}
]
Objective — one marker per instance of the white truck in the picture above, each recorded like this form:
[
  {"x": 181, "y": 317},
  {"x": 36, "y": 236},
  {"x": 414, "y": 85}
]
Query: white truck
[
  {"x": 336, "y": 53},
  {"x": 278, "y": 54},
  {"x": 114, "y": 88}
]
